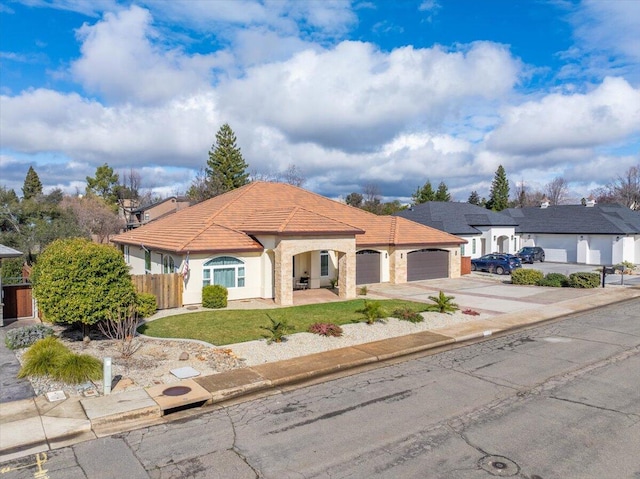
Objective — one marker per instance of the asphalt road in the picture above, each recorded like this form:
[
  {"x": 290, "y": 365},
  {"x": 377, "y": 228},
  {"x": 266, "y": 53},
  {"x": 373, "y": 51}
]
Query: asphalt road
[{"x": 561, "y": 400}]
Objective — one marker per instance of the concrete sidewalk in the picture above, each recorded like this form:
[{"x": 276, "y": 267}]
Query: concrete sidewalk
[{"x": 37, "y": 425}]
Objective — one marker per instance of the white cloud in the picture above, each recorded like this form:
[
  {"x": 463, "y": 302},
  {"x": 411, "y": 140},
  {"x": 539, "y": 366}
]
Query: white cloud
[
  {"x": 356, "y": 98},
  {"x": 609, "y": 113},
  {"x": 120, "y": 61}
]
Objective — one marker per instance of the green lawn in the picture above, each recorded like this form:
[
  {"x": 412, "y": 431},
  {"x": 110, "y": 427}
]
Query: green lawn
[{"x": 237, "y": 326}]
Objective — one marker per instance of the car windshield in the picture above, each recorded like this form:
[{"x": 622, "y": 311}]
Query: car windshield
[{"x": 526, "y": 250}]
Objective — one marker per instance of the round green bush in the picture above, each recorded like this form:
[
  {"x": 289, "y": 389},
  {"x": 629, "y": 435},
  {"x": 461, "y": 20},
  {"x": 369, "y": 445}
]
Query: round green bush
[
  {"x": 526, "y": 276},
  {"x": 555, "y": 280},
  {"x": 214, "y": 296},
  {"x": 584, "y": 280},
  {"x": 146, "y": 305},
  {"x": 78, "y": 281}
]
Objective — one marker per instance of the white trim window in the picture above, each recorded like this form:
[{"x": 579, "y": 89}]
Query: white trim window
[
  {"x": 168, "y": 264},
  {"x": 324, "y": 263},
  {"x": 225, "y": 271},
  {"x": 127, "y": 255}
]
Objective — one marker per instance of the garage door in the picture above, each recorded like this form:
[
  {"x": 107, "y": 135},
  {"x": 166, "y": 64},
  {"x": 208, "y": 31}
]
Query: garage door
[
  {"x": 600, "y": 250},
  {"x": 559, "y": 248},
  {"x": 427, "y": 264},
  {"x": 367, "y": 267}
]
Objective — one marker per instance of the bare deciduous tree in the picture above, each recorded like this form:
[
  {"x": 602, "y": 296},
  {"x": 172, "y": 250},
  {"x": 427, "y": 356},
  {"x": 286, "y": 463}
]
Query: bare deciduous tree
[
  {"x": 94, "y": 216},
  {"x": 121, "y": 327},
  {"x": 293, "y": 176},
  {"x": 625, "y": 189},
  {"x": 556, "y": 190},
  {"x": 372, "y": 199}
]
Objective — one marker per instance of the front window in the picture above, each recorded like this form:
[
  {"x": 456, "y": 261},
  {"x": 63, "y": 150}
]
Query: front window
[
  {"x": 473, "y": 246},
  {"x": 225, "y": 271},
  {"x": 168, "y": 264},
  {"x": 127, "y": 257},
  {"x": 324, "y": 263}
]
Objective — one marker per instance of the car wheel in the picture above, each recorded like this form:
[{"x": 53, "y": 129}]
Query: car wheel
[
  {"x": 499, "y": 270},
  {"x": 530, "y": 262},
  {"x": 473, "y": 267},
  {"x": 542, "y": 259}
]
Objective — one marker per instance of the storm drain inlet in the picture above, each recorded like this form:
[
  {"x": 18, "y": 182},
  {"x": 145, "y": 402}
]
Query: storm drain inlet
[{"x": 499, "y": 466}]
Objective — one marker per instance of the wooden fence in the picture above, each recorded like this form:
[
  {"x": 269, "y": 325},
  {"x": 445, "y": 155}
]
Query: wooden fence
[
  {"x": 17, "y": 301},
  {"x": 465, "y": 265},
  {"x": 167, "y": 288}
]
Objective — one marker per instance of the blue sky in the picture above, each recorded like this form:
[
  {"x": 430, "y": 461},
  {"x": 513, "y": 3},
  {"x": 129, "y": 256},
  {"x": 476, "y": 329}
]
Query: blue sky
[{"x": 352, "y": 93}]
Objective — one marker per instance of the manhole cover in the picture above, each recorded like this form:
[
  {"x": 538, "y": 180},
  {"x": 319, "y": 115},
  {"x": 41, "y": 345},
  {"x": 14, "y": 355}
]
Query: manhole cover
[
  {"x": 499, "y": 466},
  {"x": 176, "y": 391}
]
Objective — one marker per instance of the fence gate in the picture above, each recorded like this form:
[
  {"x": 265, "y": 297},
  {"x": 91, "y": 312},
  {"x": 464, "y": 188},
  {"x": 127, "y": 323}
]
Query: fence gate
[
  {"x": 18, "y": 302},
  {"x": 167, "y": 288}
]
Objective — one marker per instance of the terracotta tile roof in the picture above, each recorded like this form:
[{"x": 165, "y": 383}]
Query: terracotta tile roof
[{"x": 225, "y": 223}]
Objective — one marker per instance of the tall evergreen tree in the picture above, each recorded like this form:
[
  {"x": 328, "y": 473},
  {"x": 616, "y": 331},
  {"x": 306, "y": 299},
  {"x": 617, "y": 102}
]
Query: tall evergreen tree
[
  {"x": 105, "y": 185},
  {"x": 424, "y": 194},
  {"x": 499, "y": 195},
  {"x": 32, "y": 187},
  {"x": 442, "y": 194},
  {"x": 226, "y": 166},
  {"x": 474, "y": 198}
]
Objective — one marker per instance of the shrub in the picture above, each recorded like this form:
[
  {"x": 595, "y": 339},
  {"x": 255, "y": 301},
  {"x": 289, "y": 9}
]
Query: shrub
[
  {"x": 443, "y": 303},
  {"x": 146, "y": 305},
  {"x": 277, "y": 330},
  {"x": 363, "y": 291},
  {"x": 372, "y": 311},
  {"x": 214, "y": 296},
  {"x": 470, "y": 312},
  {"x": 78, "y": 368},
  {"x": 326, "y": 329},
  {"x": 24, "y": 337},
  {"x": 526, "y": 276},
  {"x": 584, "y": 280},
  {"x": 43, "y": 358},
  {"x": 556, "y": 280},
  {"x": 11, "y": 270},
  {"x": 78, "y": 281},
  {"x": 625, "y": 266},
  {"x": 408, "y": 314}
]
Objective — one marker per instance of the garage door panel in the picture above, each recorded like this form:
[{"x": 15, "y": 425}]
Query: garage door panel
[
  {"x": 367, "y": 267},
  {"x": 427, "y": 264}
]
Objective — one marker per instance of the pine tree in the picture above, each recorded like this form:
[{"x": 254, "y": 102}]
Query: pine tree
[
  {"x": 424, "y": 194},
  {"x": 105, "y": 185},
  {"x": 499, "y": 195},
  {"x": 474, "y": 198},
  {"x": 32, "y": 187},
  {"x": 226, "y": 166},
  {"x": 442, "y": 194}
]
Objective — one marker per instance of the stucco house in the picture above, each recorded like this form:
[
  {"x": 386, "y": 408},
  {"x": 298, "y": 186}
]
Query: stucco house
[
  {"x": 137, "y": 217},
  {"x": 486, "y": 231},
  {"x": 265, "y": 239},
  {"x": 591, "y": 234}
]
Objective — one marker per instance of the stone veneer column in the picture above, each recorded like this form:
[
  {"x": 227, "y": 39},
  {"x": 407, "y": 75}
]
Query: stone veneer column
[
  {"x": 283, "y": 265},
  {"x": 347, "y": 274}
]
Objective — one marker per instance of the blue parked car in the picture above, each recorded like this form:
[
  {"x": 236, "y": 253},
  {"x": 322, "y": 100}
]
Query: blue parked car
[
  {"x": 496, "y": 263},
  {"x": 529, "y": 254}
]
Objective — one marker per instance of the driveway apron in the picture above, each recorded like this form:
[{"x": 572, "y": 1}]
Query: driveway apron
[{"x": 11, "y": 388}]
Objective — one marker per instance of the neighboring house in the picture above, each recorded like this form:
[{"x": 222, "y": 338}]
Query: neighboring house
[
  {"x": 145, "y": 214},
  {"x": 591, "y": 234},
  {"x": 486, "y": 231},
  {"x": 263, "y": 239},
  {"x": 5, "y": 252}
]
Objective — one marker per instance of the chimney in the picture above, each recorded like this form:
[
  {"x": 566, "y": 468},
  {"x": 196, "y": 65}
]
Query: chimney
[{"x": 545, "y": 202}]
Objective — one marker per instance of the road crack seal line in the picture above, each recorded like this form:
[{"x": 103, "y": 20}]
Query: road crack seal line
[
  {"x": 581, "y": 403},
  {"x": 390, "y": 398}
]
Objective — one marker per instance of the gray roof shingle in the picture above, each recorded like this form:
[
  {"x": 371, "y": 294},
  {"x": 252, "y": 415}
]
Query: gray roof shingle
[
  {"x": 455, "y": 218},
  {"x": 613, "y": 219}
]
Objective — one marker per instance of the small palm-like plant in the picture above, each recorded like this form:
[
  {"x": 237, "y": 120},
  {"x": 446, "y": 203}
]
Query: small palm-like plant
[
  {"x": 277, "y": 330},
  {"x": 372, "y": 311},
  {"x": 443, "y": 303}
]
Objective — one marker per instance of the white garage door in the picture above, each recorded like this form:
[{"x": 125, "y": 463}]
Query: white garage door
[
  {"x": 557, "y": 248},
  {"x": 600, "y": 250}
]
